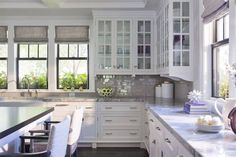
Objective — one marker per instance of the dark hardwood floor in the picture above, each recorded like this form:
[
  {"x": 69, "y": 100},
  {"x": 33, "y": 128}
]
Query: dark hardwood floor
[{"x": 112, "y": 152}]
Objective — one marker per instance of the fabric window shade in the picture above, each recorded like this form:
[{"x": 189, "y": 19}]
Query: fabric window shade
[
  {"x": 72, "y": 34},
  {"x": 214, "y": 9},
  {"x": 31, "y": 34},
  {"x": 3, "y": 33}
]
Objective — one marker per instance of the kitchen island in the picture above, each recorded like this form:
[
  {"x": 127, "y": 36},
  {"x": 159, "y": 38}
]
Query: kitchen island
[{"x": 15, "y": 121}]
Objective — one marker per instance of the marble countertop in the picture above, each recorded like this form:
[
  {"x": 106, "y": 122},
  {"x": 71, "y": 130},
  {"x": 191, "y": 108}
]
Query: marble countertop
[{"x": 182, "y": 126}]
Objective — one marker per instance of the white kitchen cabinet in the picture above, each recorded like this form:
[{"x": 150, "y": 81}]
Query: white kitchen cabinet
[
  {"x": 113, "y": 46},
  {"x": 120, "y": 121},
  {"x": 124, "y": 44},
  {"x": 175, "y": 40},
  {"x": 143, "y": 62},
  {"x": 162, "y": 142}
]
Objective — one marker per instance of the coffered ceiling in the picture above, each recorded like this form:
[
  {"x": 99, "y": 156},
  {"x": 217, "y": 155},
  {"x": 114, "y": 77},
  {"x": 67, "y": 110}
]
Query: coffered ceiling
[
  {"x": 70, "y": 7},
  {"x": 73, "y": 3}
]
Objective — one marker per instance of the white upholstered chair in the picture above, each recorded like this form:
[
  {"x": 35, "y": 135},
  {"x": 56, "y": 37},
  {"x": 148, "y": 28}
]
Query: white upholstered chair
[{"x": 75, "y": 129}]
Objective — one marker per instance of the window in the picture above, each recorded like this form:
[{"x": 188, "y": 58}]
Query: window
[
  {"x": 32, "y": 66},
  {"x": 72, "y": 67},
  {"x": 72, "y": 57},
  {"x": 220, "y": 58},
  {"x": 3, "y": 57},
  {"x": 32, "y": 52},
  {"x": 3, "y": 65}
]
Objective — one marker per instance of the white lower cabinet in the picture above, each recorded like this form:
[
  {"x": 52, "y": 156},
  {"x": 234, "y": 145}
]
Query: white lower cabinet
[
  {"x": 161, "y": 141},
  {"x": 120, "y": 122}
]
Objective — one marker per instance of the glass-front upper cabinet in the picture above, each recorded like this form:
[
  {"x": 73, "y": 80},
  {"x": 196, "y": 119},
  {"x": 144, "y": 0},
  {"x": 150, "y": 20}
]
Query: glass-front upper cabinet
[
  {"x": 104, "y": 44},
  {"x": 181, "y": 34},
  {"x": 123, "y": 44},
  {"x": 144, "y": 42}
]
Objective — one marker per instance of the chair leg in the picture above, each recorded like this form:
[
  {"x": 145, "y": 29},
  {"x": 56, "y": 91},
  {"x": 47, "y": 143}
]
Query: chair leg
[
  {"x": 22, "y": 147},
  {"x": 75, "y": 153}
]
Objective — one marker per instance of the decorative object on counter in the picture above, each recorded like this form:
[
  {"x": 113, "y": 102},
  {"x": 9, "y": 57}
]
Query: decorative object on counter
[
  {"x": 194, "y": 106},
  {"x": 209, "y": 124},
  {"x": 167, "y": 90},
  {"x": 105, "y": 91},
  {"x": 158, "y": 91},
  {"x": 226, "y": 105},
  {"x": 232, "y": 118},
  {"x": 194, "y": 96}
]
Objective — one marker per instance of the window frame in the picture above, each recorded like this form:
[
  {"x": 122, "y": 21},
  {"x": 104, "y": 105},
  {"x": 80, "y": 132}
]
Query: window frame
[
  {"x": 5, "y": 59},
  {"x": 58, "y": 58},
  {"x": 216, "y": 44},
  {"x": 18, "y": 58}
]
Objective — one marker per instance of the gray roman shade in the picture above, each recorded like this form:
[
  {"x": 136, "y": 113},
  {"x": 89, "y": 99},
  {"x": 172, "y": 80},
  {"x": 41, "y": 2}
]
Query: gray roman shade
[
  {"x": 3, "y": 33},
  {"x": 214, "y": 9},
  {"x": 72, "y": 34},
  {"x": 31, "y": 34}
]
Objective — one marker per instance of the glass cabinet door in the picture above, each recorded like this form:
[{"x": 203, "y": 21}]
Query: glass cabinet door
[
  {"x": 123, "y": 42},
  {"x": 181, "y": 33},
  {"x": 104, "y": 44},
  {"x": 144, "y": 44}
]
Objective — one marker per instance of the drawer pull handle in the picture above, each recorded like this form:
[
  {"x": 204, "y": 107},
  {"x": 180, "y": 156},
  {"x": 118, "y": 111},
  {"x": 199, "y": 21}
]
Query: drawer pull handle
[
  {"x": 108, "y": 108},
  {"x": 61, "y": 105},
  {"x": 109, "y": 133},
  {"x": 151, "y": 120},
  {"x": 146, "y": 137},
  {"x": 133, "y": 120},
  {"x": 133, "y": 108},
  {"x": 133, "y": 133},
  {"x": 88, "y": 108},
  {"x": 108, "y": 120},
  {"x": 145, "y": 109},
  {"x": 158, "y": 128},
  {"x": 146, "y": 122},
  {"x": 154, "y": 141},
  {"x": 167, "y": 140}
]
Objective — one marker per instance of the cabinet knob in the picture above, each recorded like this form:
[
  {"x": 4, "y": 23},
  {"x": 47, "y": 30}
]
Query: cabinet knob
[
  {"x": 151, "y": 120},
  {"x": 158, "y": 128},
  {"x": 167, "y": 140},
  {"x": 154, "y": 141}
]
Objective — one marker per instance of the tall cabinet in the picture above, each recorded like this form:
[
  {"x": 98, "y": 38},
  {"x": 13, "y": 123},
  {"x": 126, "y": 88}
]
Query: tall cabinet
[
  {"x": 175, "y": 40},
  {"x": 124, "y": 42}
]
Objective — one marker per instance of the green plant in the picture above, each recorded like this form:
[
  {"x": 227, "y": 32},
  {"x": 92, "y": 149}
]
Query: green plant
[
  {"x": 224, "y": 89},
  {"x": 3, "y": 80},
  {"x": 72, "y": 81},
  {"x": 35, "y": 82}
]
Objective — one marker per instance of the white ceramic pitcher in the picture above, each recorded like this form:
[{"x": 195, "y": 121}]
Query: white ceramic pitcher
[{"x": 226, "y": 108}]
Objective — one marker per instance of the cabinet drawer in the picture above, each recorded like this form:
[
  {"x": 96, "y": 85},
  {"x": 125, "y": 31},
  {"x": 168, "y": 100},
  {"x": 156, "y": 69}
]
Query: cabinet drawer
[
  {"x": 120, "y": 107},
  {"x": 120, "y": 121},
  {"x": 121, "y": 134},
  {"x": 170, "y": 142},
  {"x": 88, "y": 106}
]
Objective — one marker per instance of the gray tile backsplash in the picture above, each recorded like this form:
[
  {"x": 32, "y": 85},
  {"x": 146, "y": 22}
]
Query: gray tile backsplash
[{"x": 124, "y": 85}]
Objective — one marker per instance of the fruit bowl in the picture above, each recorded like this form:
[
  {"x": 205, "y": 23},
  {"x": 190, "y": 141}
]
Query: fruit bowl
[
  {"x": 105, "y": 91},
  {"x": 209, "y": 124}
]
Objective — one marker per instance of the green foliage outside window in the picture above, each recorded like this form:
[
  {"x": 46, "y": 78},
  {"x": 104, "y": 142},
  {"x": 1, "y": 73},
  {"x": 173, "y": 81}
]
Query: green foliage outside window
[
  {"x": 224, "y": 89},
  {"x": 72, "y": 81},
  {"x": 35, "y": 82},
  {"x": 3, "y": 80}
]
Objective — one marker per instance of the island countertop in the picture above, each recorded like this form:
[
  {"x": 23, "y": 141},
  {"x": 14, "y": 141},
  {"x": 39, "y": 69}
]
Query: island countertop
[
  {"x": 182, "y": 126},
  {"x": 15, "y": 118}
]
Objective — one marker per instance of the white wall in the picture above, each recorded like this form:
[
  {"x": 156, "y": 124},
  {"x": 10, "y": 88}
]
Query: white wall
[{"x": 51, "y": 22}]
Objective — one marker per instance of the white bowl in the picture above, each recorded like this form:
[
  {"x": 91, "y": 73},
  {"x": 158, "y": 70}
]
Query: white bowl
[{"x": 210, "y": 128}]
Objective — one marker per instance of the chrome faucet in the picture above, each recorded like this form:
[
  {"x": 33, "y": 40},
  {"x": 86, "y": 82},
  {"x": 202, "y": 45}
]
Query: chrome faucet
[{"x": 28, "y": 84}]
